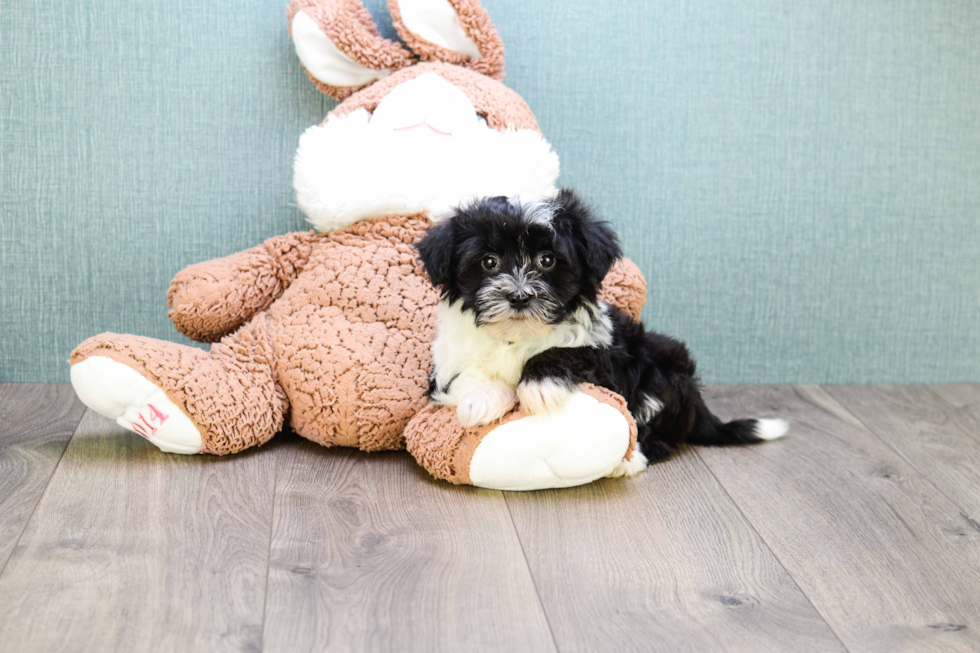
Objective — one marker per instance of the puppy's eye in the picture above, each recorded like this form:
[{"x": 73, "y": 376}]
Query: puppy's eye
[
  {"x": 546, "y": 261},
  {"x": 489, "y": 263}
]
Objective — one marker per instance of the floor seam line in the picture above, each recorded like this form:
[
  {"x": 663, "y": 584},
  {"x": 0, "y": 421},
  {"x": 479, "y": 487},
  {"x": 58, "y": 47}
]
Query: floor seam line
[
  {"x": 530, "y": 573},
  {"x": 268, "y": 561},
  {"x": 762, "y": 539},
  {"x": 930, "y": 388},
  {"x": 898, "y": 453},
  {"x": 27, "y": 522}
]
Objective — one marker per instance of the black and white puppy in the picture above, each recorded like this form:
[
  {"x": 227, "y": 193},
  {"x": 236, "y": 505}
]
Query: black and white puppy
[{"x": 520, "y": 319}]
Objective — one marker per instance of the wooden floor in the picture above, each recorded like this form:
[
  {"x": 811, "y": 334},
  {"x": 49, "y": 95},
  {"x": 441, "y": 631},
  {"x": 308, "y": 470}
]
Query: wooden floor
[{"x": 859, "y": 532}]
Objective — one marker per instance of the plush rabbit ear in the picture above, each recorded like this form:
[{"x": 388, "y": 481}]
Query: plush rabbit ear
[
  {"x": 340, "y": 45},
  {"x": 454, "y": 31}
]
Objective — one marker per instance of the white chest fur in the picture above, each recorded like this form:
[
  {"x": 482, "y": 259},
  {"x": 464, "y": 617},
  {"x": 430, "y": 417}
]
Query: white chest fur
[{"x": 486, "y": 354}]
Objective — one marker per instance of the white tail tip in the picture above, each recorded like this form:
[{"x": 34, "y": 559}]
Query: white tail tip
[{"x": 771, "y": 429}]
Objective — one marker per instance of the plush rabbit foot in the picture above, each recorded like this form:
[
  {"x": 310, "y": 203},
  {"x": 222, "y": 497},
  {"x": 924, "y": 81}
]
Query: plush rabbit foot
[
  {"x": 180, "y": 398},
  {"x": 121, "y": 394},
  {"x": 586, "y": 439}
]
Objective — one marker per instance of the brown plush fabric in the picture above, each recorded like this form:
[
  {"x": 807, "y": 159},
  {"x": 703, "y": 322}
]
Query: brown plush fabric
[
  {"x": 616, "y": 401},
  {"x": 355, "y": 332},
  {"x": 475, "y": 22},
  {"x": 444, "y": 448},
  {"x": 210, "y": 300},
  {"x": 625, "y": 288},
  {"x": 351, "y": 28},
  {"x": 230, "y": 394},
  {"x": 501, "y": 106},
  {"x": 336, "y": 332}
]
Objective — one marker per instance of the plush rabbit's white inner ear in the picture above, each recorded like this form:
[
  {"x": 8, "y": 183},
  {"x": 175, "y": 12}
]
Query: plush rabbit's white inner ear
[
  {"x": 324, "y": 60},
  {"x": 436, "y": 22}
]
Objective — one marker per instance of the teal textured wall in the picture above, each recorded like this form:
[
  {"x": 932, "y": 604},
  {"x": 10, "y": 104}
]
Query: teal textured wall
[{"x": 799, "y": 181}]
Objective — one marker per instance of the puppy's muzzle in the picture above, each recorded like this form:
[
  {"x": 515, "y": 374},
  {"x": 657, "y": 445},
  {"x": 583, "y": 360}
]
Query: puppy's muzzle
[{"x": 519, "y": 299}]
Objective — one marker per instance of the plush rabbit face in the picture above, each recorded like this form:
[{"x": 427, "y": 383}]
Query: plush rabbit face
[{"x": 411, "y": 137}]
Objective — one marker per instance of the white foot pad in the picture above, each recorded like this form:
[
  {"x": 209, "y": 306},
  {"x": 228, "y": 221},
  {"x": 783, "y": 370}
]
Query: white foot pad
[
  {"x": 583, "y": 441},
  {"x": 121, "y": 393}
]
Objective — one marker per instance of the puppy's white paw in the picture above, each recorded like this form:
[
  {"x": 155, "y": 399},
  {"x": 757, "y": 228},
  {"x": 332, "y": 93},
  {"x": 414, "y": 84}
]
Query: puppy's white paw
[
  {"x": 632, "y": 467},
  {"x": 544, "y": 396},
  {"x": 489, "y": 403}
]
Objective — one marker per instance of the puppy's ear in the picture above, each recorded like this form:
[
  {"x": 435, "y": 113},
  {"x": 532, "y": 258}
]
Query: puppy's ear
[
  {"x": 596, "y": 243},
  {"x": 437, "y": 252}
]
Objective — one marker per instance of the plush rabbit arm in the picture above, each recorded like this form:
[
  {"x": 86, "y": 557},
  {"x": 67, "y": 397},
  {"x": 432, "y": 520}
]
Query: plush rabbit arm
[
  {"x": 625, "y": 288},
  {"x": 211, "y": 299}
]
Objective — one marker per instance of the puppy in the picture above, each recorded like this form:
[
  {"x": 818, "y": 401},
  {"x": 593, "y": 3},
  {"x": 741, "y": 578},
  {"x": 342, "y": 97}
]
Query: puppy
[{"x": 520, "y": 319}]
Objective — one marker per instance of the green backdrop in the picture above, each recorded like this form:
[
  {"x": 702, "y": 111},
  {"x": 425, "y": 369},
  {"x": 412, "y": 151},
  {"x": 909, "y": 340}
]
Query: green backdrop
[{"x": 799, "y": 181}]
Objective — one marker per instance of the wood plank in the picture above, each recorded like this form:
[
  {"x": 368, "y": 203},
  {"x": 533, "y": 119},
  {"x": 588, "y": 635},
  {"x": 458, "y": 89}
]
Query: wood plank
[
  {"x": 965, "y": 397},
  {"x": 36, "y": 423},
  {"x": 661, "y": 562},
  {"x": 938, "y": 438},
  {"x": 132, "y": 549},
  {"x": 965, "y": 400},
  {"x": 886, "y": 558},
  {"x": 370, "y": 553}
]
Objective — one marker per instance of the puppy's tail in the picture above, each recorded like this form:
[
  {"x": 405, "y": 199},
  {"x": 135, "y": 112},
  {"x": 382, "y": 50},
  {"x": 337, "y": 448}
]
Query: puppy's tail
[{"x": 711, "y": 431}]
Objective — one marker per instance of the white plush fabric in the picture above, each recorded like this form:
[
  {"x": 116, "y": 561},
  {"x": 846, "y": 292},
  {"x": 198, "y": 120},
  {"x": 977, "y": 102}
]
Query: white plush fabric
[
  {"x": 582, "y": 442},
  {"x": 426, "y": 100},
  {"x": 324, "y": 60},
  {"x": 436, "y": 22},
  {"x": 427, "y": 152},
  {"x": 120, "y": 393}
]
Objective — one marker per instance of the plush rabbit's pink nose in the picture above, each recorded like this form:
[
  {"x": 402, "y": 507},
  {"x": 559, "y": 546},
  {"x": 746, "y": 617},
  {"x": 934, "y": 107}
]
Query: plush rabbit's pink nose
[
  {"x": 422, "y": 128},
  {"x": 427, "y": 105}
]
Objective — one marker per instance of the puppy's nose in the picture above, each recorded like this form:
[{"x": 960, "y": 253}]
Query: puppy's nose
[{"x": 519, "y": 299}]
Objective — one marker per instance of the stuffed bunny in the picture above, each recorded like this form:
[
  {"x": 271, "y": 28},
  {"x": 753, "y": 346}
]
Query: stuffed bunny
[{"x": 330, "y": 330}]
